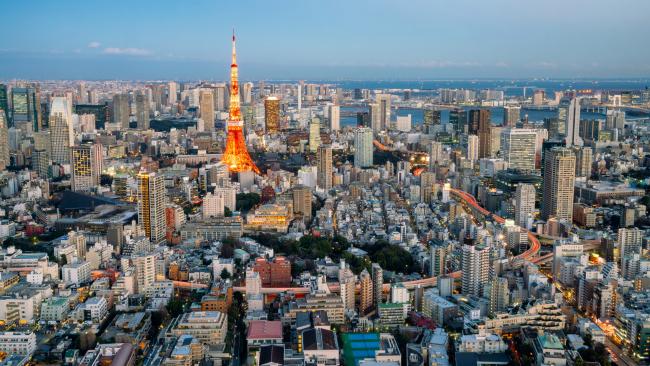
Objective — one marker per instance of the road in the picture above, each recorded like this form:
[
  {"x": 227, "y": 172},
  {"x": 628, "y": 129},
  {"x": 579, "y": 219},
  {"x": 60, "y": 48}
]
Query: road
[{"x": 618, "y": 355}]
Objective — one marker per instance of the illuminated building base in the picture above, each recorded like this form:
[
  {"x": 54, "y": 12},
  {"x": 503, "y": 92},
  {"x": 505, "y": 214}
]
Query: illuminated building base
[{"x": 236, "y": 156}]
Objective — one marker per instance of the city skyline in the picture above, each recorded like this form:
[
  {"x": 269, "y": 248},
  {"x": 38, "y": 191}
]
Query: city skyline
[{"x": 361, "y": 41}]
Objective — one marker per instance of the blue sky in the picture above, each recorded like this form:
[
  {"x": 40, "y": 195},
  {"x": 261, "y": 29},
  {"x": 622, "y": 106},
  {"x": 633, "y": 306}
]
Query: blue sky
[{"x": 334, "y": 39}]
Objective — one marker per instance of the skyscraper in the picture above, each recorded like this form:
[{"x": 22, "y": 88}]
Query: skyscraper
[
  {"x": 87, "y": 162},
  {"x": 427, "y": 182},
  {"x": 437, "y": 259},
  {"x": 475, "y": 119},
  {"x": 573, "y": 124},
  {"x": 4, "y": 141},
  {"x": 366, "y": 292},
  {"x": 511, "y": 115},
  {"x": 377, "y": 284},
  {"x": 142, "y": 111},
  {"x": 334, "y": 116},
  {"x": 121, "y": 110},
  {"x": 348, "y": 286},
  {"x": 472, "y": 148},
  {"x": 247, "y": 93},
  {"x": 26, "y": 109},
  {"x": 458, "y": 119},
  {"x": 484, "y": 133},
  {"x": 524, "y": 203},
  {"x": 314, "y": 134},
  {"x": 380, "y": 112},
  {"x": 559, "y": 179},
  {"x": 302, "y": 201},
  {"x": 630, "y": 241},
  {"x": 151, "y": 205},
  {"x": 475, "y": 265},
  {"x": 363, "y": 147},
  {"x": 213, "y": 205},
  {"x": 236, "y": 156},
  {"x": 172, "y": 92},
  {"x": 324, "y": 168},
  {"x": 272, "y": 114},
  {"x": 584, "y": 160},
  {"x": 61, "y": 134},
  {"x": 435, "y": 154},
  {"x": 206, "y": 106},
  {"x": 145, "y": 269},
  {"x": 518, "y": 147},
  {"x": 4, "y": 103}
]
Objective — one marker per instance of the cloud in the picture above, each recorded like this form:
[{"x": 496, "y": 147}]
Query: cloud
[
  {"x": 129, "y": 51},
  {"x": 94, "y": 44}
]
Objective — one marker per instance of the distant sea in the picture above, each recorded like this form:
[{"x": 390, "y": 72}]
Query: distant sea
[
  {"x": 417, "y": 115},
  {"x": 511, "y": 88}
]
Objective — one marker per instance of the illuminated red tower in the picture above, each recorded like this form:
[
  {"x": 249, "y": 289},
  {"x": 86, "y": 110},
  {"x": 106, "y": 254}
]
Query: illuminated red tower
[{"x": 236, "y": 156}]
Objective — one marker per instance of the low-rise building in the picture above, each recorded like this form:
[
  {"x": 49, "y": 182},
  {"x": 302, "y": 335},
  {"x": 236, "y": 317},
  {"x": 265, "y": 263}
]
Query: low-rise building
[
  {"x": 209, "y": 327},
  {"x": 20, "y": 343}
]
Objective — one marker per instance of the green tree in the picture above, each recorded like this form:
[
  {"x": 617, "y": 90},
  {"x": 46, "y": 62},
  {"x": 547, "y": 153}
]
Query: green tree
[{"x": 225, "y": 274}]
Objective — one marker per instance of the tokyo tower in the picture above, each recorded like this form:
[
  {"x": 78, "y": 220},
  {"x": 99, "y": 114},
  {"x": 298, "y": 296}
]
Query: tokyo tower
[{"x": 236, "y": 156}]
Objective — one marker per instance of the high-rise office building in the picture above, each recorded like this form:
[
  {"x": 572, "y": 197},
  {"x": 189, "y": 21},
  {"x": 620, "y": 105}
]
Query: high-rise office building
[
  {"x": 363, "y": 147},
  {"x": 87, "y": 164},
  {"x": 475, "y": 266},
  {"x": 151, "y": 205},
  {"x": 377, "y": 284},
  {"x": 524, "y": 203},
  {"x": 484, "y": 135},
  {"x": 247, "y": 93},
  {"x": 498, "y": 295},
  {"x": 272, "y": 114},
  {"x": 324, "y": 168},
  {"x": 314, "y": 134},
  {"x": 573, "y": 123},
  {"x": 511, "y": 115},
  {"x": 380, "y": 112},
  {"x": 518, "y": 147},
  {"x": 432, "y": 117},
  {"x": 366, "y": 292},
  {"x": 427, "y": 186},
  {"x": 26, "y": 109},
  {"x": 334, "y": 116},
  {"x": 558, "y": 186},
  {"x": 302, "y": 201},
  {"x": 172, "y": 93},
  {"x": 121, "y": 110},
  {"x": 472, "y": 148},
  {"x": 539, "y": 96},
  {"x": 142, "y": 111},
  {"x": 4, "y": 141},
  {"x": 477, "y": 118},
  {"x": 220, "y": 96},
  {"x": 584, "y": 160},
  {"x": 630, "y": 241},
  {"x": 206, "y": 106},
  {"x": 4, "y": 103},
  {"x": 435, "y": 154},
  {"x": 437, "y": 260},
  {"x": 41, "y": 163},
  {"x": 458, "y": 119},
  {"x": 348, "y": 286},
  {"x": 61, "y": 133}
]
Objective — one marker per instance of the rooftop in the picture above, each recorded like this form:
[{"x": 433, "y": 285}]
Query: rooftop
[{"x": 264, "y": 329}]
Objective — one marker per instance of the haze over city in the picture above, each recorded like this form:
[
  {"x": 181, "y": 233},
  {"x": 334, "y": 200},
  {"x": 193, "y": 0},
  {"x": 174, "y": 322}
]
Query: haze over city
[{"x": 330, "y": 40}]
